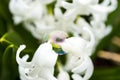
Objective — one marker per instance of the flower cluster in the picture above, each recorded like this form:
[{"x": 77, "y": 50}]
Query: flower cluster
[
  {"x": 73, "y": 28},
  {"x": 42, "y": 65}
]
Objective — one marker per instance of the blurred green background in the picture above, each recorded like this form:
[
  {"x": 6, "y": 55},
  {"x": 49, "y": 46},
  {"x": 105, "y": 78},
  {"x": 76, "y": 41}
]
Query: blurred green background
[{"x": 11, "y": 36}]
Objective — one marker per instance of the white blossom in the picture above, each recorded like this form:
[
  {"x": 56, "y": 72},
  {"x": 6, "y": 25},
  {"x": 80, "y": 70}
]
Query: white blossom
[
  {"x": 78, "y": 51},
  {"x": 78, "y": 60},
  {"x": 35, "y": 16},
  {"x": 41, "y": 66},
  {"x": 56, "y": 23},
  {"x": 98, "y": 28},
  {"x": 39, "y": 28},
  {"x": 28, "y": 10},
  {"x": 87, "y": 7}
]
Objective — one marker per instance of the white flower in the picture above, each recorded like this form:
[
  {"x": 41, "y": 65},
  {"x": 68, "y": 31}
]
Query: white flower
[
  {"x": 36, "y": 18},
  {"x": 101, "y": 11},
  {"x": 99, "y": 29},
  {"x": 78, "y": 6},
  {"x": 78, "y": 55},
  {"x": 78, "y": 60},
  {"x": 84, "y": 66},
  {"x": 80, "y": 43},
  {"x": 63, "y": 22},
  {"x": 87, "y": 7},
  {"x": 39, "y": 28},
  {"x": 41, "y": 66},
  {"x": 70, "y": 19},
  {"x": 28, "y": 10},
  {"x": 78, "y": 51}
]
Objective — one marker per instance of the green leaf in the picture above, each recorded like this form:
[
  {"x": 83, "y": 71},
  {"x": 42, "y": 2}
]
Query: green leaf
[
  {"x": 11, "y": 38},
  {"x": 3, "y": 28},
  {"x": 27, "y": 37},
  {"x": 4, "y": 10},
  {"x": 9, "y": 65},
  {"x": 110, "y": 73},
  {"x": 1, "y": 54}
]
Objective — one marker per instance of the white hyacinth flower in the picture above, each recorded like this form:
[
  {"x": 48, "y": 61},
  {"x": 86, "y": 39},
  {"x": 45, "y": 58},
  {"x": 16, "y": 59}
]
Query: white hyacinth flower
[
  {"x": 78, "y": 60},
  {"x": 28, "y": 10},
  {"x": 102, "y": 30},
  {"x": 39, "y": 28},
  {"x": 80, "y": 44},
  {"x": 56, "y": 21},
  {"x": 78, "y": 54},
  {"x": 42, "y": 65},
  {"x": 35, "y": 16},
  {"x": 87, "y": 7},
  {"x": 98, "y": 28}
]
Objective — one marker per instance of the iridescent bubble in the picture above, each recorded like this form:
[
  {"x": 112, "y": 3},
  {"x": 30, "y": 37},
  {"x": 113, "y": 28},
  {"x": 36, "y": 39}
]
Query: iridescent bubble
[{"x": 56, "y": 38}]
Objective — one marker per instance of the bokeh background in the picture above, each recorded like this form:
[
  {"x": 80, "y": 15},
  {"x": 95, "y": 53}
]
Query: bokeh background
[{"x": 106, "y": 57}]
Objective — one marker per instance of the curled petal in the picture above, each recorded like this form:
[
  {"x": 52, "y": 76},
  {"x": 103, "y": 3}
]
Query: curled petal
[
  {"x": 22, "y": 61},
  {"x": 105, "y": 2},
  {"x": 42, "y": 65},
  {"x": 85, "y": 68},
  {"x": 91, "y": 43},
  {"x": 105, "y": 7},
  {"x": 89, "y": 70},
  {"x": 66, "y": 5},
  {"x": 58, "y": 12},
  {"x": 77, "y": 77},
  {"x": 81, "y": 66}
]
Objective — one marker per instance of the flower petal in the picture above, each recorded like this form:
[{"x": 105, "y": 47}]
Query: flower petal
[
  {"x": 63, "y": 75},
  {"x": 77, "y": 77},
  {"x": 22, "y": 62},
  {"x": 89, "y": 70},
  {"x": 78, "y": 43},
  {"x": 45, "y": 56},
  {"x": 81, "y": 66}
]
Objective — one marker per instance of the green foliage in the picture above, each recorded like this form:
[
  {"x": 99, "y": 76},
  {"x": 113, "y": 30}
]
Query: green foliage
[
  {"x": 9, "y": 66},
  {"x": 11, "y": 38},
  {"x": 8, "y": 46},
  {"x": 106, "y": 74}
]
